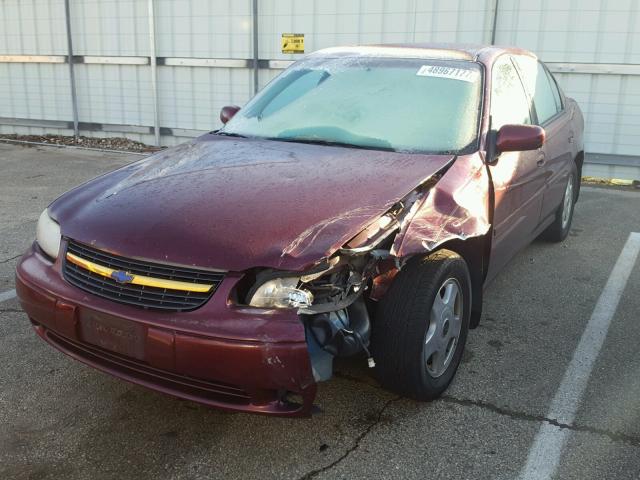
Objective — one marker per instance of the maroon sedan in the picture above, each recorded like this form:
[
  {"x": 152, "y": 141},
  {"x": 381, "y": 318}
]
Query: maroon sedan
[{"x": 358, "y": 205}]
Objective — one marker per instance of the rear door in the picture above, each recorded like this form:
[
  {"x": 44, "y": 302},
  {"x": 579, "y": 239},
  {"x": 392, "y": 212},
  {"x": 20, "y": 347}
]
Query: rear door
[
  {"x": 549, "y": 113},
  {"x": 518, "y": 177}
]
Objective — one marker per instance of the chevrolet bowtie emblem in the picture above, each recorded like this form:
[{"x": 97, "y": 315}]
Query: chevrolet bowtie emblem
[{"x": 121, "y": 276}]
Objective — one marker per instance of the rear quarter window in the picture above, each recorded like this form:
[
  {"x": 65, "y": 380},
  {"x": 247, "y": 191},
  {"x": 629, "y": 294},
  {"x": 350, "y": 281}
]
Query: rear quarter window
[{"x": 554, "y": 88}]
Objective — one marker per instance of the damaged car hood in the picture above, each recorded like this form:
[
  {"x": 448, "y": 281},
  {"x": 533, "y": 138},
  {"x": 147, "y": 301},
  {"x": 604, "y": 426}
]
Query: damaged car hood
[{"x": 235, "y": 203}]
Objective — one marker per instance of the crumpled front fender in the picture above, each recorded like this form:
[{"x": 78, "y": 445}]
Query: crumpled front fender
[{"x": 457, "y": 207}]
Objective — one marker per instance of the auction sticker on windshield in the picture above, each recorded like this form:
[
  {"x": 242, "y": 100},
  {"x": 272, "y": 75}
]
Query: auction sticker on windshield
[{"x": 465, "y": 74}]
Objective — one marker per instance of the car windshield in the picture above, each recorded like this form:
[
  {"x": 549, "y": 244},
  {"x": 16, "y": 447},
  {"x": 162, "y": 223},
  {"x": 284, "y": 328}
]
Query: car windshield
[{"x": 399, "y": 104}]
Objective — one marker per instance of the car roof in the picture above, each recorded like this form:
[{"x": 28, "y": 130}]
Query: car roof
[{"x": 447, "y": 51}]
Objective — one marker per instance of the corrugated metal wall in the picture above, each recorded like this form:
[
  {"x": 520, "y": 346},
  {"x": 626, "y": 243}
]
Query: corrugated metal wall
[
  {"x": 33, "y": 90},
  {"x": 112, "y": 94},
  {"x": 191, "y": 97},
  {"x": 578, "y": 38},
  {"x": 586, "y": 32}
]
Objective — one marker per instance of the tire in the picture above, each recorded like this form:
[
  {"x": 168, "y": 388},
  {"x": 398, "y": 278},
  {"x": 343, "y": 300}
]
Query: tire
[
  {"x": 406, "y": 328},
  {"x": 559, "y": 229}
]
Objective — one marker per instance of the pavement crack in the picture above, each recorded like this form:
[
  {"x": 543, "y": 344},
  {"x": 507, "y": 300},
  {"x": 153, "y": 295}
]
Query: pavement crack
[
  {"x": 11, "y": 310},
  {"x": 517, "y": 415},
  {"x": 9, "y": 259},
  {"x": 356, "y": 444},
  {"x": 352, "y": 378}
]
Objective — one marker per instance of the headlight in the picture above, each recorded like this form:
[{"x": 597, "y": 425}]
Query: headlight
[
  {"x": 48, "y": 235},
  {"x": 280, "y": 293}
]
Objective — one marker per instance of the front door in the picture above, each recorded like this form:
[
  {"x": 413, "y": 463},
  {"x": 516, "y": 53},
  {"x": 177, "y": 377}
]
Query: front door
[{"x": 518, "y": 177}]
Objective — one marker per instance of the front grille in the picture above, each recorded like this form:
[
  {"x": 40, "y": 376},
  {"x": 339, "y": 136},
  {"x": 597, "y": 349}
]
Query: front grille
[{"x": 139, "y": 295}]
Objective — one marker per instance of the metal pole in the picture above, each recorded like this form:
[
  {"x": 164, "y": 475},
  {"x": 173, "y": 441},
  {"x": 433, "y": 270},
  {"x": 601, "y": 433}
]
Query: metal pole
[
  {"x": 255, "y": 46},
  {"x": 72, "y": 77},
  {"x": 495, "y": 22},
  {"x": 154, "y": 76}
]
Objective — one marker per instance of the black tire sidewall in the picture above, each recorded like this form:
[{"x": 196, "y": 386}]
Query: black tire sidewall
[
  {"x": 565, "y": 231},
  {"x": 402, "y": 321}
]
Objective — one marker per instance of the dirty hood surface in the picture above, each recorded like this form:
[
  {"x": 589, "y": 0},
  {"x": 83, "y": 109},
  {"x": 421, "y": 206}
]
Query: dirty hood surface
[{"x": 234, "y": 203}]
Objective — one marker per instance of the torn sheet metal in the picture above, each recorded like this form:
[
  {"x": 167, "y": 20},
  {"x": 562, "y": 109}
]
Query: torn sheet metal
[{"x": 457, "y": 207}]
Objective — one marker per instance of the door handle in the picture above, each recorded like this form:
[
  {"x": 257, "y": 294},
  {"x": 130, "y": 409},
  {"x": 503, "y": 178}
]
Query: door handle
[
  {"x": 571, "y": 139},
  {"x": 541, "y": 161}
]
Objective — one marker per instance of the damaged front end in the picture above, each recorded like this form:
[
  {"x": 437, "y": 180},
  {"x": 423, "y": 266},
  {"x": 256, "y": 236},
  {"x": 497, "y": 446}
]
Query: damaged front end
[{"x": 336, "y": 298}]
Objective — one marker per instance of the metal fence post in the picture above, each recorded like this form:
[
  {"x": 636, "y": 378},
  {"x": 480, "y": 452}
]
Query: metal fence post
[
  {"x": 495, "y": 22},
  {"x": 72, "y": 77},
  {"x": 255, "y": 46},
  {"x": 154, "y": 76}
]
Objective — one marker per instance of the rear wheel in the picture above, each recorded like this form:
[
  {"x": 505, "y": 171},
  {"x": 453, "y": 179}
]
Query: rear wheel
[
  {"x": 559, "y": 229},
  {"x": 422, "y": 324}
]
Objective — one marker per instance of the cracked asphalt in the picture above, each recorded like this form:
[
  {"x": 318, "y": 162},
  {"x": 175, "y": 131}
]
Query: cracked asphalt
[{"x": 60, "y": 419}]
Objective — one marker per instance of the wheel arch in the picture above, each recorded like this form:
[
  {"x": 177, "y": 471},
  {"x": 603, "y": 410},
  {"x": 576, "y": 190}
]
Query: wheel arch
[{"x": 475, "y": 252}]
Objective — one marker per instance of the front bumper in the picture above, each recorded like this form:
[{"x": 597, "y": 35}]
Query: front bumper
[{"x": 220, "y": 355}]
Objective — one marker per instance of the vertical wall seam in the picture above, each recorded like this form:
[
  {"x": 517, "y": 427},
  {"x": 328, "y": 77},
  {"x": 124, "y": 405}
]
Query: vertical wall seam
[
  {"x": 434, "y": 22},
  {"x": 459, "y": 10},
  {"x": 153, "y": 71},
  {"x": 415, "y": 18},
  {"x": 494, "y": 24},
  {"x": 631, "y": 23},
  {"x": 72, "y": 79},
  {"x": 254, "y": 13}
]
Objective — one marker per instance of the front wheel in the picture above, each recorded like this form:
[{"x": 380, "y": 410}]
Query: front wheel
[{"x": 421, "y": 326}]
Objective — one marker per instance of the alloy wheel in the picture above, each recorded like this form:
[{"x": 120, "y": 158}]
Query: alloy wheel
[
  {"x": 445, "y": 324},
  {"x": 567, "y": 205}
]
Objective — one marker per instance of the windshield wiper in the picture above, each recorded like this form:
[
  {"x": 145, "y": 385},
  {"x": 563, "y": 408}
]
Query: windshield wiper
[
  {"x": 229, "y": 134},
  {"x": 331, "y": 143}
]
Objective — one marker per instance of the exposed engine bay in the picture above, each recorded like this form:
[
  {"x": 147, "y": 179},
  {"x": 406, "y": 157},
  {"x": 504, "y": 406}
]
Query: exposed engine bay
[{"x": 334, "y": 299}]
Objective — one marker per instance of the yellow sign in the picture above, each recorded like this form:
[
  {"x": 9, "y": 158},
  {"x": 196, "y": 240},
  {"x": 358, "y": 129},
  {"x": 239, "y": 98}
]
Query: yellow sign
[{"x": 293, "y": 43}]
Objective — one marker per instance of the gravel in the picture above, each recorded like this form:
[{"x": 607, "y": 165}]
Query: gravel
[{"x": 114, "y": 143}]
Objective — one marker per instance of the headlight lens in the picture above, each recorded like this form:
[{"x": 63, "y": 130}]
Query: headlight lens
[
  {"x": 281, "y": 293},
  {"x": 48, "y": 235}
]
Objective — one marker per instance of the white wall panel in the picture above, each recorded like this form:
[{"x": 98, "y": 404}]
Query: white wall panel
[
  {"x": 32, "y": 27},
  {"x": 605, "y": 31},
  {"x": 465, "y": 21},
  {"x": 204, "y": 28},
  {"x": 110, "y": 27},
  {"x": 611, "y": 106},
  {"x": 191, "y": 97},
  {"x": 37, "y": 91},
  {"x": 117, "y": 94}
]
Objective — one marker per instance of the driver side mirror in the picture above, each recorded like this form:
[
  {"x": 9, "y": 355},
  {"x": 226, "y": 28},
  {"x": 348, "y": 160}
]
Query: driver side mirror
[
  {"x": 515, "y": 138},
  {"x": 228, "y": 112}
]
